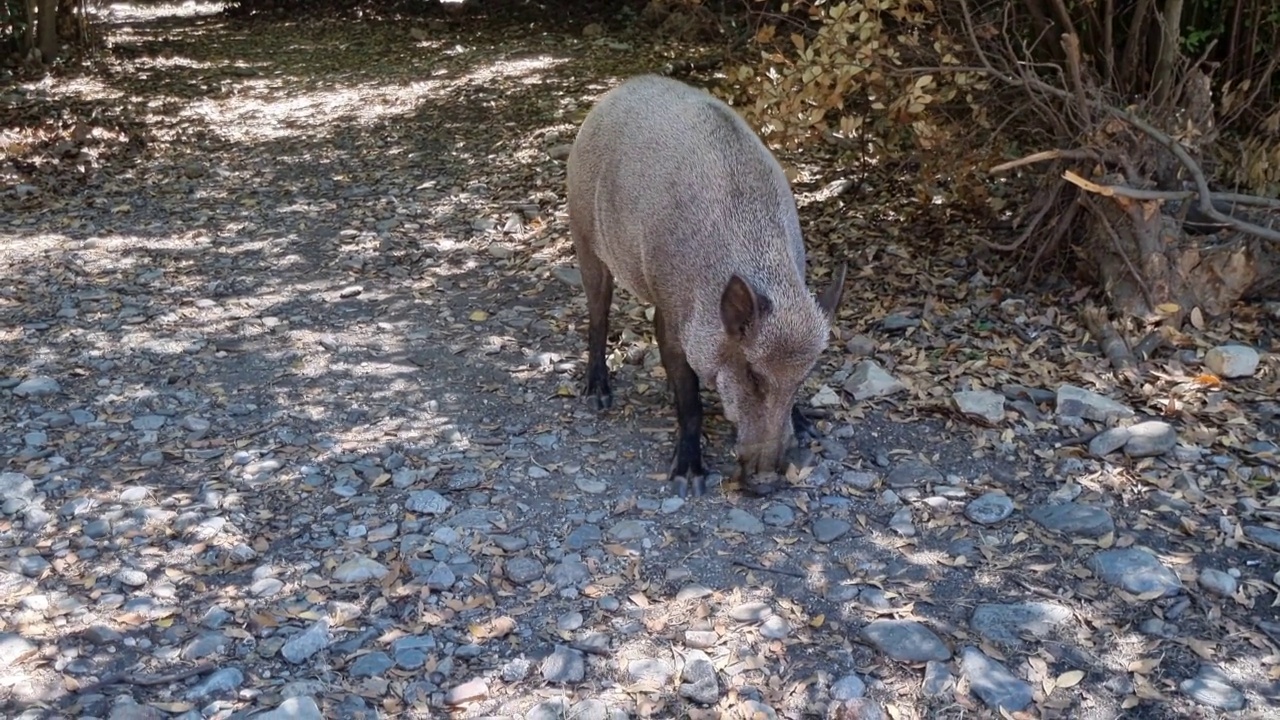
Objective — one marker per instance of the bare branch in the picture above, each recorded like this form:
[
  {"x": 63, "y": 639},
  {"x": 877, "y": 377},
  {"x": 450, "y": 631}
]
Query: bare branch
[
  {"x": 1113, "y": 346},
  {"x": 1138, "y": 194},
  {"x": 1046, "y": 155}
]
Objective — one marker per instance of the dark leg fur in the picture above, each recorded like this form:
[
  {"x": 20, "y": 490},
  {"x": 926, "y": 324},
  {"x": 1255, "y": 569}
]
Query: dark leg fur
[
  {"x": 803, "y": 426},
  {"x": 686, "y": 466},
  {"x": 598, "y": 283}
]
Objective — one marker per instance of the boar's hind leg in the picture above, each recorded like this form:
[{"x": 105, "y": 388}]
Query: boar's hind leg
[
  {"x": 686, "y": 466},
  {"x": 598, "y": 283},
  {"x": 802, "y": 425}
]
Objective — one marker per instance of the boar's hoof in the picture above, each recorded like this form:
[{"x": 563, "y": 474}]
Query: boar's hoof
[
  {"x": 699, "y": 483},
  {"x": 600, "y": 401},
  {"x": 598, "y": 393}
]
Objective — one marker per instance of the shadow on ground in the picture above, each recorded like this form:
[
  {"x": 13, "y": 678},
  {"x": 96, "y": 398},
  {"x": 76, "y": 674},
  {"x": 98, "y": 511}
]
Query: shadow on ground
[{"x": 315, "y": 355}]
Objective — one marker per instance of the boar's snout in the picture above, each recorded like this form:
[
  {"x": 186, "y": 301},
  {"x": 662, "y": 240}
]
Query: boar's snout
[{"x": 764, "y": 453}]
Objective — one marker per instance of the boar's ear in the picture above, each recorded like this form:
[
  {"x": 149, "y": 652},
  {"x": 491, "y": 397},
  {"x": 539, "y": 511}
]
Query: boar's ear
[
  {"x": 830, "y": 299},
  {"x": 739, "y": 307}
]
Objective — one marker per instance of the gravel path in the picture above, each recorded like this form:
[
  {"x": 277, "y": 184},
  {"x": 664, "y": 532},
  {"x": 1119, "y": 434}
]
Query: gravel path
[{"x": 289, "y": 429}]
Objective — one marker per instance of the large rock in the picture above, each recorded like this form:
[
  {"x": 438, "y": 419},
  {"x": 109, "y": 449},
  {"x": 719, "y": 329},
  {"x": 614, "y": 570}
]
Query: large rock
[
  {"x": 1077, "y": 402},
  {"x": 870, "y": 380},
  {"x": 1232, "y": 361},
  {"x": 985, "y": 404},
  {"x": 1150, "y": 438}
]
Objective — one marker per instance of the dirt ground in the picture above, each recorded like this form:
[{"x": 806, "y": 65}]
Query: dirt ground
[{"x": 290, "y": 352}]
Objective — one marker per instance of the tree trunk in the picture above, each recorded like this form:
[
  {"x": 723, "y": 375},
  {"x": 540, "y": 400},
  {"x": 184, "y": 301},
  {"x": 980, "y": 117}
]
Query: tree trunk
[
  {"x": 1170, "y": 35},
  {"x": 1145, "y": 258},
  {"x": 47, "y": 29}
]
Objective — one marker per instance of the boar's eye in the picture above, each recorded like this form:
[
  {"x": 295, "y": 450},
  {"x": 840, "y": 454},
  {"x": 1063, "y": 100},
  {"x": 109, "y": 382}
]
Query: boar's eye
[{"x": 757, "y": 382}]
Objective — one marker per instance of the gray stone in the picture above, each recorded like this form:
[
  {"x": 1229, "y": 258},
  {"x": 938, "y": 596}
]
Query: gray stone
[
  {"x": 14, "y": 648},
  {"x": 145, "y": 423},
  {"x": 410, "y": 658},
  {"x": 625, "y": 530},
  {"x": 204, "y": 645},
  {"x": 1149, "y": 439},
  {"x": 859, "y": 479},
  {"x": 985, "y": 404},
  {"x": 1109, "y": 441},
  {"x": 569, "y": 572},
  {"x": 37, "y": 387},
  {"x": 564, "y": 665},
  {"x": 1074, "y": 519},
  {"x": 699, "y": 683},
  {"x": 1006, "y": 623},
  {"x": 1218, "y": 582},
  {"x": 294, "y": 708},
  {"x": 751, "y": 612},
  {"x": 900, "y": 522},
  {"x": 441, "y": 577},
  {"x": 993, "y": 683},
  {"x": 516, "y": 669},
  {"x": 775, "y": 627},
  {"x": 856, "y": 709},
  {"x": 1265, "y": 536},
  {"x": 739, "y": 520},
  {"x": 989, "y": 508},
  {"x": 427, "y": 502},
  {"x": 589, "y": 709},
  {"x": 16, "y": 486},
  {"x": 475, "y": 689},
  {"x": 869, "y": 380},
  {"x": 360, "y": 569},
  {"x": 779, "y": 515},
  {"x": 524, "y": 570},
  {"x": 1077, "y": 402},
  {"x": 223, "y": 682},
  {"x": 860, "y": 346},
  {"x": 848, "y": 688},
  {"x": 652, "y": 671},
  {"x": 1232, "y": 361},
  {"x": 913, "y": 475},
  {"x": 701, "y": 638},
  {"x": 584, "y": 536},
  {"x": 298, "y": 648},
  {"x": 556, "y": 708},
  {"x": 569, "y": 276},
  {"x": 1212, "y": 688},
  {"x": 905, "y": 641},
  {"x": 829, "y": 529},
  {"x": 1136, "y": 571},
  {"x": 373, "y": 664},
  {"x": 937, "y": 679},
  {"x": 757, "y": 710}
]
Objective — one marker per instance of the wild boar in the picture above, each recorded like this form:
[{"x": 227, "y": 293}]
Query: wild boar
[{"x": 675, "y": 198}]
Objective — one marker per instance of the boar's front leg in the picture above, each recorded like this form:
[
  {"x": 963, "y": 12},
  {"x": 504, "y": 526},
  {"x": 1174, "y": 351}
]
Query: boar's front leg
[
  {"x": 803, "y": 426},
  {"x": 686, "y": 466}
]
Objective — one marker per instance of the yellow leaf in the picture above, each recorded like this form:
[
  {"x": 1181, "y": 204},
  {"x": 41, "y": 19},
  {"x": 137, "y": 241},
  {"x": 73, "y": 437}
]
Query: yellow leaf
[
  {"x": 1070, "y": 678},
  {"x": 1202, "y": 648},
  {"x": 478, "y": 316},
  {"x": 1168, "y": 308},
  {"x": 817, "y": 620},
  {"x": 1144, "y": 666}
]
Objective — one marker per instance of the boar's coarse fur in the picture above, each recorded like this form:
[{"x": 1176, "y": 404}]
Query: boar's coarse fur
[{"x": 674, "y": 197}]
